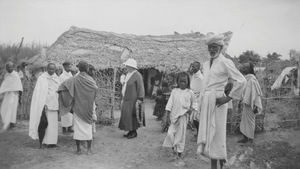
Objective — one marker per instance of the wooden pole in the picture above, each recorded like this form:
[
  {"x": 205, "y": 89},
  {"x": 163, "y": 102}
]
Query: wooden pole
[
  {"x": 298, "y": 67},
  {"x": 113, "y": 94},
  {"x": 19, "y": 48}
]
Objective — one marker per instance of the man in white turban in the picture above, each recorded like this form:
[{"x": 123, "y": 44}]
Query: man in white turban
[{"x": 212, "y": 127}]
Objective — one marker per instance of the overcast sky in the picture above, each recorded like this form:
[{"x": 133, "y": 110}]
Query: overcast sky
[{"x": 260, "y": 25}]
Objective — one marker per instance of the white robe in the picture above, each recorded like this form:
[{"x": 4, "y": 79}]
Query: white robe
[
  {"x": 10, "y": 88},
  {"x": 45, "y": 93},
  {"x": 212, "y": 129},
  {"x": 179, "y": 103},
  {"x": 66, "y": 119}
]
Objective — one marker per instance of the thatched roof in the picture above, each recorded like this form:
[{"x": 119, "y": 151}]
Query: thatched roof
[{"x": 106, "y": 49}]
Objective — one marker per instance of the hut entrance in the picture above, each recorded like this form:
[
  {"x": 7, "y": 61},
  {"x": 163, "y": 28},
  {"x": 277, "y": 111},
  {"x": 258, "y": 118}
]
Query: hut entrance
[{"x": 150, "y": 75}]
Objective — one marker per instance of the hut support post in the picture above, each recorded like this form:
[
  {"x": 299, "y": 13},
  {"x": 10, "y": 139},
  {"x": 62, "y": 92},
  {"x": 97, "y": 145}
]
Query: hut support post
[
  {"x": 113, "y": 95},
  {"x": 298, "y": 78}
]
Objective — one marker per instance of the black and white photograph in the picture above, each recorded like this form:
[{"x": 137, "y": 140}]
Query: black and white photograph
[{"x": 149, "y": 84}]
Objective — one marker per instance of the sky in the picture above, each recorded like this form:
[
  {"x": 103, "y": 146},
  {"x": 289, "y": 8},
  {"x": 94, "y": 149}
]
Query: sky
[{"x": 263, "y": 26}]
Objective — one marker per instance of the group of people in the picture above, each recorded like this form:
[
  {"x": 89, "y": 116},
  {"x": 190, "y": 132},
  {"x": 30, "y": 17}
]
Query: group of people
[{"x": 200, "y": 97}]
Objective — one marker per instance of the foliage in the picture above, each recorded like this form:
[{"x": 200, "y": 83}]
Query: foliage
[
  {"x": 249, "y": 56},
  {"x": 9, "y": 52}
]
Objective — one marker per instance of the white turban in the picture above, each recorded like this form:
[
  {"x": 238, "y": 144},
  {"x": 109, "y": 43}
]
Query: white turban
[
  {"x": 215, "y": 39},
  {"x": 220, "y": 39}
]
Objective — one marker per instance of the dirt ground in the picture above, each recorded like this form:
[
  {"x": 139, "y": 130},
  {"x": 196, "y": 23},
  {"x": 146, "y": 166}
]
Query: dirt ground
[{"x": 113, "y": 151}]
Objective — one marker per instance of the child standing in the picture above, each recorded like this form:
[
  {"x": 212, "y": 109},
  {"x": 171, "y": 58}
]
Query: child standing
[{"x": 179, "y": 106}]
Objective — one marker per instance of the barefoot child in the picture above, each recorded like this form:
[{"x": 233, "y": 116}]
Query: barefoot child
[{"x": 179, "y": 106}]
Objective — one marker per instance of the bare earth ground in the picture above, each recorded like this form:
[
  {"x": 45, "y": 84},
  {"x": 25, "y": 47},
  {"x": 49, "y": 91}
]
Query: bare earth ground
[{"x": 113, "y": 151}]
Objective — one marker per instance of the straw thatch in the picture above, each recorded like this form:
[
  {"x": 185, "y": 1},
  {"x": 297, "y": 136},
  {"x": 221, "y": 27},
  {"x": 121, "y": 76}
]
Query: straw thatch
[{"x": 106, "y": 49}]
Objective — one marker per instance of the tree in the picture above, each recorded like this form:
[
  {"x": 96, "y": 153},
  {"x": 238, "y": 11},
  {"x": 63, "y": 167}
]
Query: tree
[
  {"x": 249, "y": 56},
  {"x": 273, "y": 57}
]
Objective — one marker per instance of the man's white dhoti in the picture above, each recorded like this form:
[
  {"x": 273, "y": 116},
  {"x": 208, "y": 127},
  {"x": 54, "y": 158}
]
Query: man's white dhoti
[
  {"x": 9, "y": 108},
  {"x": 67, "y": 120},
  {"x": 51, "y": 133},
  {"x": 176, "y": 134},
  {"x": 82, "y": 130}
]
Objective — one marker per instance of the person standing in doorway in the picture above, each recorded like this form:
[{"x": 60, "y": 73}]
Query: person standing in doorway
[{"x": 133, "y": 92}]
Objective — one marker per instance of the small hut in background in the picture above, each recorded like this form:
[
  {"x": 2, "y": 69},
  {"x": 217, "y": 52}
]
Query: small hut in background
[{"x": 156, "y": 57}]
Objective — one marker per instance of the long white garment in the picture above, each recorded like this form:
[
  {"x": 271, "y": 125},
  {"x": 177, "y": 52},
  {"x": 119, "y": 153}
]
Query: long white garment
[
  {"x": 66, "y": 119},
  {"x": 9, "y": 108},
  {"x": 176, "y": 134},
  {"x": 179, "y": 103},
  {"x": 10, "y": 88},
  {"x": 82, "y": 130},
  {"x": 44, "y": 93},
  {"x": 212, "y": 129},
  {"x": 197, "y": 86},
  {"x": 51, "y": 133}
]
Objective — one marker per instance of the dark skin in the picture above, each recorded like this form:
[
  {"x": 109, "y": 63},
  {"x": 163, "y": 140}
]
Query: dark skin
[
  {"x": 9, "y": 67},
  {"x": 67, "y": 67},
  {"x": 194, "y": 67},
  {"x": 51, "y": 68}
]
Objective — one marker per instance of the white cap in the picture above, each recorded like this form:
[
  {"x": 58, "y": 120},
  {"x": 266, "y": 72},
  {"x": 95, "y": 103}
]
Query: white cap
[{"x": 131, "y": 62}]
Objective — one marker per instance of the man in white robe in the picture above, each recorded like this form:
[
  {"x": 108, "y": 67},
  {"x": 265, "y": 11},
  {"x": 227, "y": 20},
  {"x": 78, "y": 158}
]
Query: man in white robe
[
  {"x": 45, "y": 95},
  {"x": 196, "y": 86},
  {"x": 11, "y": 88},
  {"x": 66, "y": 119},
  {"x": 212, "y": 129}
]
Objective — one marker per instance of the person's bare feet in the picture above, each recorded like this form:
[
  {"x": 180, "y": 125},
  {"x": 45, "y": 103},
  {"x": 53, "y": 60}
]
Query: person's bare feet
[{"x": 78, "y": 152}]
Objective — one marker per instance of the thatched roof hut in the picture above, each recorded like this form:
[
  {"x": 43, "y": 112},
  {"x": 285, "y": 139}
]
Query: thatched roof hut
[{"x": 106, "y": 49}]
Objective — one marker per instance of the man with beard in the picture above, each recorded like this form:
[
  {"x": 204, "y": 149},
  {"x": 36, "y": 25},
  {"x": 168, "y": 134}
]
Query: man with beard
[{"x": 213, "y": 116}]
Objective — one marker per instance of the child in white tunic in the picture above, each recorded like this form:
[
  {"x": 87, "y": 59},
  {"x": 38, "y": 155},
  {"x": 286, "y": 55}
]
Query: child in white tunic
[{"x": 179, "y": 106}]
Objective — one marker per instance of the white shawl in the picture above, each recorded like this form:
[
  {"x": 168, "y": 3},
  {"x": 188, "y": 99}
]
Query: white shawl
[
  {"x": 38, "y": 102},
  {"x": 11, "y": 83}
]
